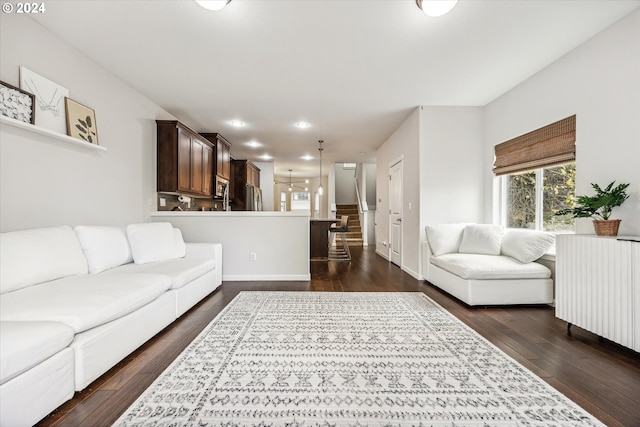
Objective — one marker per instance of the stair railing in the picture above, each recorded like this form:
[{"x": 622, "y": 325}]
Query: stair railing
[{"x": 362, "y": 209}]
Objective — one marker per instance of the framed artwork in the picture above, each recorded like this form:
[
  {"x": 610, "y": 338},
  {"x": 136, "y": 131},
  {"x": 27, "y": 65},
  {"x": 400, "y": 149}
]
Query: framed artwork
[
  {"x": 17, "y": 103},
  {"x": 49, "y": 104},
  {"x": 81, "y": 121}
]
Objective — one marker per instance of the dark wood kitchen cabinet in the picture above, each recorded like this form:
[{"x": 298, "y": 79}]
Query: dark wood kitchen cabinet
[
  {"x": 246, "y": 178},
  {"x": 222, "y": 154},
  {"x": 185, "y": 160}
]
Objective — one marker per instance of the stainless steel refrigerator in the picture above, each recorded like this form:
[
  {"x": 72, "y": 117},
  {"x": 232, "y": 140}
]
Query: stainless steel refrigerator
[{"x": 254, "y": 198}]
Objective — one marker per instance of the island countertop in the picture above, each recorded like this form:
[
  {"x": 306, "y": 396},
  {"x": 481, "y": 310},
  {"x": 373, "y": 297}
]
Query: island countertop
[{"x": 239, "y": 214}]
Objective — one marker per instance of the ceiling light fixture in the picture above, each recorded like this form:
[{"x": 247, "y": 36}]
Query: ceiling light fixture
[
  {"x": 213, "y": 4},
  {"x": 292, "y": 184},
  {"x": 320, "y": 189},
  {"x": 435, "y": 8},
  {"x": 307, "y": 157},
  {"x": 237, "y": 123},
  {"x": 302, "y": 125},
  {"x": 254, "y": 144}
]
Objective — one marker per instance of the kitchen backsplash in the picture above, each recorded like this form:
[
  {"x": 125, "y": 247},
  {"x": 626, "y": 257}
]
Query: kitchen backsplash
[{"x": 172, "y": 203}]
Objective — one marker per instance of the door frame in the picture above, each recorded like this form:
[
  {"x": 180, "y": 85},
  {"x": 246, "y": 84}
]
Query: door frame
[{"x": 398, "y": 160}]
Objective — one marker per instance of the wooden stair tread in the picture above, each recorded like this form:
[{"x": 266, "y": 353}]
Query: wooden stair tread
[{"x": 354, "y": 233}]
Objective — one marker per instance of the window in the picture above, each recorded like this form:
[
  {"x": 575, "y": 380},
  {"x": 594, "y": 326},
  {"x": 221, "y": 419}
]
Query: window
[
  {"x": 539, "y": 170},
  {"x": 300, "y": 201},
  {"x": 532, "y": 197}
]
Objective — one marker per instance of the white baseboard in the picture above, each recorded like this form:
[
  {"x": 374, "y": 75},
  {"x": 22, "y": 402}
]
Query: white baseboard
[
  {"x": 382, "y": 254},
  {"x": 265, "y": 278},
  {"x": 413, "y": 274}
]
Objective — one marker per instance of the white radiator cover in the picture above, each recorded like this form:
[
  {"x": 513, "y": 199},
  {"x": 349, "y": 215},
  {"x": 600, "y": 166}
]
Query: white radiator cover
[{"x": 598, "y": 286}]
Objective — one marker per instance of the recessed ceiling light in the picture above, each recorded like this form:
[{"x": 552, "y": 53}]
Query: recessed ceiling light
[
  {"x": 237, "y": 123},
  {"x": 265, "y": 156},
  {"x": 253, "y": 144},
  {"x": 307, "y": 157},
  {"x": 302, "y": 125},
  {"x": 213, "y": 4},
  {"x": 435, "y": 8}
]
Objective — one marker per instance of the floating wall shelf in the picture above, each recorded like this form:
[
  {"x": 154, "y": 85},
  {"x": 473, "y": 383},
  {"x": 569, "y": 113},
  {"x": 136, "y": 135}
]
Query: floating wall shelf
[{"x": 49, "y": 133}]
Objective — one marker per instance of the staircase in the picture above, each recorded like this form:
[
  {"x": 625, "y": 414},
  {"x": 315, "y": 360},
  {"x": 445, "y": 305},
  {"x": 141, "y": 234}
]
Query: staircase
[{"x": 354, "y": 235}]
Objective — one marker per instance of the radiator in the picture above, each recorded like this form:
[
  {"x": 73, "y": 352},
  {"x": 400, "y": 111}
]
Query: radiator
[{"x": 598, "y": 286}]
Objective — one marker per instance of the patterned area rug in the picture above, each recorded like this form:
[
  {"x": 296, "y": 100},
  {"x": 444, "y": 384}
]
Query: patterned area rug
[{"x": 346, "y": 359}]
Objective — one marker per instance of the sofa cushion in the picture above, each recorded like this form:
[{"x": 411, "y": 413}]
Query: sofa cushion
[
  {"x": 39, "y": 255},
  {"x": 24, "y": 345},
  {"x": 104, "y": 247},
  {"x": 84, "y": 301},
  {"x": 181, "y": 270},
  {"x": 151, "y": 242},
  {"x": 182, "y": 247},
  {"x": 526, "y": 245},
  {"x": 444, "y": 238},
  {"x": 483, "y": 267},
  {"x": 481, "y": 239}
]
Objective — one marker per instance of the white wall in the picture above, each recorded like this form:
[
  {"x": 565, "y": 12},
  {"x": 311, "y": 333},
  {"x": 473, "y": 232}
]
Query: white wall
[
  {"x": 44, "y": 182},
  {"x": 403, "y": 145},
  {"x": 599, "y": 82},
  {"x": 345, "y": 186},
  {"x": 266, "y": 185},
  {"x": 442, "y": 150},
  {"x": 279, "y": 240},
  {"x": 451, "y": 166}
]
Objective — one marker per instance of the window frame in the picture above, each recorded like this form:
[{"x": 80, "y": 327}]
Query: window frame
[{"x": 539, "y": 201}]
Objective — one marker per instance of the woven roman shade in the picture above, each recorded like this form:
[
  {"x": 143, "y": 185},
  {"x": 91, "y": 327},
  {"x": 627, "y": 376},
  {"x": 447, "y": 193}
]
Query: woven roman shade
[{"x": 551, "y": 145}]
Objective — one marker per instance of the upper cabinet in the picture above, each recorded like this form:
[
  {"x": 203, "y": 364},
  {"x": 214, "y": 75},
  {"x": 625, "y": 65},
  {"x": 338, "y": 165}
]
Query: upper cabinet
[
  {"x": 185, "y": 160},
  {"x": 246, "y": 178},
  {"x": 246, "y": 173},
  {"x": 253, "y": 175},
  {"x": 222, "y": 156}
]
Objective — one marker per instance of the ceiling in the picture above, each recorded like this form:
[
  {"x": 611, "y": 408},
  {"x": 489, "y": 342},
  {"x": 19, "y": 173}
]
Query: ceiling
[{"x": 353, "y": 69}]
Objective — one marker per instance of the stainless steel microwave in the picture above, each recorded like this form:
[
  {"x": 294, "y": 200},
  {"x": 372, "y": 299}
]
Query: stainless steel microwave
[{"x": 221, "y": 186}]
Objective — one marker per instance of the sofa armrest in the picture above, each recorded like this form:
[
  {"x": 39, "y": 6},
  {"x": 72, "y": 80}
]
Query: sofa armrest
[
  {"x": 207, "y": 251},
  {"x": 426, "y": 259}
]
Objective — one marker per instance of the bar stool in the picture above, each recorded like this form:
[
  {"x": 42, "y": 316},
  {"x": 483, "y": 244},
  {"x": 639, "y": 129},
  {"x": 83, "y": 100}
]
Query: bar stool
[{"x": 344, "y": 254}]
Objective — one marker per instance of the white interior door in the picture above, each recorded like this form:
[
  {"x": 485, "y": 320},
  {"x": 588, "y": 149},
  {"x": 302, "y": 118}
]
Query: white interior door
[{"x": 395, "y": 213}]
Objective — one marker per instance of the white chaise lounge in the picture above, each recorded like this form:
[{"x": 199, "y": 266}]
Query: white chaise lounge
[{"x": 483, "y": 264}]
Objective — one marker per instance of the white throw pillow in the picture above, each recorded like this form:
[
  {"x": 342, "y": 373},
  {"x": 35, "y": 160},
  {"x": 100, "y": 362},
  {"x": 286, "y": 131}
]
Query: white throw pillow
[
  {"x": 444, "y": 238},
  {"x": 39, "y": 255},
  {"x": 526, "y": 245},
  {"x": 182, "y": 248},
  {"x": 104, "y": 247},
  {"x": 152, "y": 242},
  {"x": 482, "y": 239}
]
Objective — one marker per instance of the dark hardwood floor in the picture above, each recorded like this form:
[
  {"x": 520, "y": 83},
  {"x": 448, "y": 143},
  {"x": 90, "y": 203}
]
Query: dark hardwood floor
[{"x": 602, "y": 377}]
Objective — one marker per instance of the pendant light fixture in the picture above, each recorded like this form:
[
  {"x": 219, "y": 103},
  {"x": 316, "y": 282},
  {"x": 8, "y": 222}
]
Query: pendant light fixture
[
  {"x": 435, "y": 8},
  {"x": 213, "y": 4},
  {"x": 320, "y": 189},
  {"x": 292, "y": 184}
]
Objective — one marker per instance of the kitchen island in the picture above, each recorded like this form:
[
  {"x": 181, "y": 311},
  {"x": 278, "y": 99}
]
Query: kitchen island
[
  {"x": 319, "y": 238},
  {"x": 265, "y": 246}
]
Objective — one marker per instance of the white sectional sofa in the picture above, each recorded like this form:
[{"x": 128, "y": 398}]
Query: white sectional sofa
[
  {"x": 74, "y": 302},
  {"x": 483, "y": 264}
]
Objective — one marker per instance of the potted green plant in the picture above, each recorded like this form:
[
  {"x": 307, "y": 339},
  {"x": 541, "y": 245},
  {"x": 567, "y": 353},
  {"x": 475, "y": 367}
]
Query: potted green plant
[{"x": 599, "y": 207}]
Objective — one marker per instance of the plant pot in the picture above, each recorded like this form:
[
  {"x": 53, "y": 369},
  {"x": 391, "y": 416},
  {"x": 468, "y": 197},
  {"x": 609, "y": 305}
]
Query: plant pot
[{"x": 606, "y": 228}]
